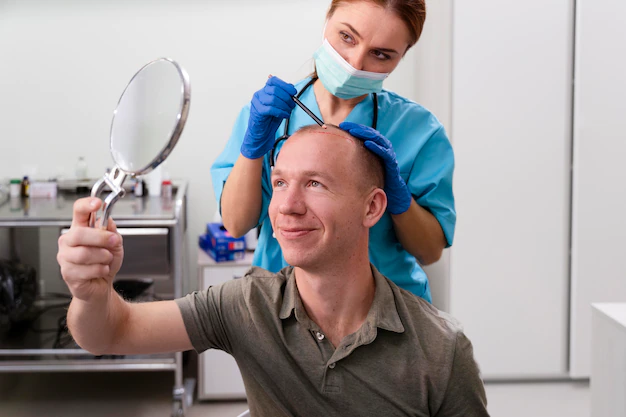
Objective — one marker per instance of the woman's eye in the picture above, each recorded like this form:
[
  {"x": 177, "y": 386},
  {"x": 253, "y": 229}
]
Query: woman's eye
[
  {"x": 345, "y": 37},
  {"x": 380, "y": 55}
]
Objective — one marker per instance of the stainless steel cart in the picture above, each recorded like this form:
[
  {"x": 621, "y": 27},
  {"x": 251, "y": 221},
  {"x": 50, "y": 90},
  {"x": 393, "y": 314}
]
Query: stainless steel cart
[{"x": 154, "y": 238}]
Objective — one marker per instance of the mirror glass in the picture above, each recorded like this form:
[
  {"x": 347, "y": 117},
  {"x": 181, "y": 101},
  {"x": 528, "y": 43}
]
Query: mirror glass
[{"x": 149, "y": 117}]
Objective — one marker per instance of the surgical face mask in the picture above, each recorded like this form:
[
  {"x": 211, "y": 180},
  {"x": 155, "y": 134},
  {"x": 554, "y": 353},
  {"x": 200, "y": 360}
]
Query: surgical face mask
[{"x": 340, "y": 78}]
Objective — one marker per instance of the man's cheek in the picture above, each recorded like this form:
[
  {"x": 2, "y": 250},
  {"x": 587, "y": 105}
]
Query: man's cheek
[{"x": 272, "y": 212}]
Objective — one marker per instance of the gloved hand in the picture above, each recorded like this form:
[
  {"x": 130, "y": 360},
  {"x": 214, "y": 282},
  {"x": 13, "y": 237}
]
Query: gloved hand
[
  {"x": 398, "y": 194},
  {"x": 269, "y": 106}
]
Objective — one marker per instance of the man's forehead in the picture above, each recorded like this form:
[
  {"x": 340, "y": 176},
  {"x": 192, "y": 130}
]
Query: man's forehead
[
  {"x": 318, "y": 151},
  {"x": 330, "y": 132}
]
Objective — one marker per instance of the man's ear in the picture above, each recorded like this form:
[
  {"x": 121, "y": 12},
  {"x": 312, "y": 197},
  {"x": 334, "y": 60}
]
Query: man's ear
[{"x": 376, "y": 204}]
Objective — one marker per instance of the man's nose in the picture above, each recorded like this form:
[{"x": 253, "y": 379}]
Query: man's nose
[{"x": 292, "y": 202}]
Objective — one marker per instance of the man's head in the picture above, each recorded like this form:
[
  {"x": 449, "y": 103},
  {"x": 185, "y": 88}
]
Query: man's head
[{"x": 327, "y": 195}]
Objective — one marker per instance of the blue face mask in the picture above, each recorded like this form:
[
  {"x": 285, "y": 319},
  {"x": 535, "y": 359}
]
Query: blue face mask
[{"x": 340, "y": 78}]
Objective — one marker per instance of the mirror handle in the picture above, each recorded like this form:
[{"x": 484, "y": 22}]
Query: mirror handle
[{"x": 115, "y": 181}]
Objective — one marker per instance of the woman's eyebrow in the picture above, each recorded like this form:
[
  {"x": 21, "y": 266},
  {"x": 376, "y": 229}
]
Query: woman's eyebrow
[{"x": 360, "y": 37}]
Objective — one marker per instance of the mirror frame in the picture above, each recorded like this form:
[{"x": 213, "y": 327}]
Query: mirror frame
[
  {"x": 116, "y": 177},
  {"x": 175, "y": 134}
]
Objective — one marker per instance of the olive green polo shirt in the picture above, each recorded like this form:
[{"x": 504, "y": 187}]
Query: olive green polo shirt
[{"x": 407, "y": 359}]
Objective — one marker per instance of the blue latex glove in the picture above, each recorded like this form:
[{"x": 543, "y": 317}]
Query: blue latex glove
[
  {"x": 269, "y": 106},
  {"x": 398, "y": 194}
]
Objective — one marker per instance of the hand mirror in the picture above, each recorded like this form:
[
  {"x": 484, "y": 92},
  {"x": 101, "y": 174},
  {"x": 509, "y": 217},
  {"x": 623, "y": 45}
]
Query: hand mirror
[{"x": 147, "y": 123}]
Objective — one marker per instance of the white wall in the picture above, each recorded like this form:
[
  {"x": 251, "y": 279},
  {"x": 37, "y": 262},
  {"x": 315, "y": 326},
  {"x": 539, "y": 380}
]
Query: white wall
[
  {"x": 511, "y": 118},
  {"x": 433, "y": 86},
  {"x": 65, "y": 63},
  {"x": 599, "y": 193}
]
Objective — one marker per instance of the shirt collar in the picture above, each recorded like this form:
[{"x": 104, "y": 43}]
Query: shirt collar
[{"x": 383, "y": 313}]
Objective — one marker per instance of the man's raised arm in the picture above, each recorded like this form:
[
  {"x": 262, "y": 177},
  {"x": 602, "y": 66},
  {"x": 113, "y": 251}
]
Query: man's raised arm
[{"x": 99, "y": 320}]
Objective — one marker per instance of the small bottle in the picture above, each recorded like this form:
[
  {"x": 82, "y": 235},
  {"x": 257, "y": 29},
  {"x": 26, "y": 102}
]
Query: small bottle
[
  {"x": 15, "y": 188},
  {"x": 154, "y": 181},
  {"x": 25, "y": 186},
  {"x": 166, "y": 189},
  {"x": 81, "y": 169},
  {"x": 138, "y": 188}
]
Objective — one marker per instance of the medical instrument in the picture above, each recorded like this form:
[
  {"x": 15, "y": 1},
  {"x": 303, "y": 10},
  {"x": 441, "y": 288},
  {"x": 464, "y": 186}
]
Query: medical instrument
[
  {"x": 305, "y": 108},
  {"x": 285, "y": 136},
  {"x": 147, "y": 123},
  {"x": 307, "y": 111}
]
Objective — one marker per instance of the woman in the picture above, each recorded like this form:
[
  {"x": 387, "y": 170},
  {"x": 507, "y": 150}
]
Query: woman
[{"x": 364, "y": 40}]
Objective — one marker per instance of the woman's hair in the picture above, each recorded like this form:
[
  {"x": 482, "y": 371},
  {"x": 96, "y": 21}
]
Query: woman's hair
[{"x": 412, "y": 13}]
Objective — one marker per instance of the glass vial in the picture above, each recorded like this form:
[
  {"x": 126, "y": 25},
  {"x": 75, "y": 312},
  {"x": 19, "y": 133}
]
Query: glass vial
[{"x": 81, "y": 169}]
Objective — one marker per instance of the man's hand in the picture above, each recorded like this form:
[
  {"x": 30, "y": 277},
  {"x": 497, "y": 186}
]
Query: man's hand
[{"x": 89, "y": 257}]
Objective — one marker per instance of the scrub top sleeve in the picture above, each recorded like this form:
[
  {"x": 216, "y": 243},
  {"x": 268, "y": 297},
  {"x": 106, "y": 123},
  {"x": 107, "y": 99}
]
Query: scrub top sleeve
[
  {"x": 220, "y": 170},
  {"x": 430, "y": 181}
]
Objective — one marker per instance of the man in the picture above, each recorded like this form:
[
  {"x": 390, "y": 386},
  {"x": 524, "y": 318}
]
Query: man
[{"x": 328, "y": 336}]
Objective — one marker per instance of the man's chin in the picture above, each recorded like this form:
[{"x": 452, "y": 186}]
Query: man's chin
[{"x": 299, "y": 258}]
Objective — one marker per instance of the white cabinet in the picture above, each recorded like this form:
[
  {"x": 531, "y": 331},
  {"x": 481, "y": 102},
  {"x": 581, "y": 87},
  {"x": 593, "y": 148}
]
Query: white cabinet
[
  {"x": 218, "y": 374},
  {"x": 511, "y": 118},
  {"x": 608, "y": 376},
  {"x": 599, "y": 194}
]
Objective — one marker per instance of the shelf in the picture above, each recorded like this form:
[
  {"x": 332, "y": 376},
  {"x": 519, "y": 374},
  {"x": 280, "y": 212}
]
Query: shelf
[
  {"x": 24, "y": 349},
  {"x": 87, "y": 365}
]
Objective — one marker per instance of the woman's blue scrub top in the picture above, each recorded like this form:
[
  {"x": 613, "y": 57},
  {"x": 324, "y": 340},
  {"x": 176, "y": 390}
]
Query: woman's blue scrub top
[{"x": 426, "y": 162}]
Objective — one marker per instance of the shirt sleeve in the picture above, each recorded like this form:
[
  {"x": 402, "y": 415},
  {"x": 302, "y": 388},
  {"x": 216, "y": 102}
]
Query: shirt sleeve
[
  {"x": 223, "y": 165},
  {"x": 213, "y": 318},
  {"x": 465, "y": 395},
  {"x": 434, "y": 167}
]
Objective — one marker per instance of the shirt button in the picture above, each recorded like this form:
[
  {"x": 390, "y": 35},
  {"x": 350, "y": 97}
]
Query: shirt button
[
  {"x": 319, "y": 336},
  {"x": 332, "y": 365}
]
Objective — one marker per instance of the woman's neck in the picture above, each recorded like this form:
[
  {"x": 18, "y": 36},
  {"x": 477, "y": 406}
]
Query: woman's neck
[{"x": 334, "y": 109}]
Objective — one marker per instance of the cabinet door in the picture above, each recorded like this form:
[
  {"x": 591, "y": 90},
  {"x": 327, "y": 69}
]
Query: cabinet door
[
  {"x": 219, "y": 376},
  {"x": 511, "y": 117},
  {"x": 599, "y": 194}
]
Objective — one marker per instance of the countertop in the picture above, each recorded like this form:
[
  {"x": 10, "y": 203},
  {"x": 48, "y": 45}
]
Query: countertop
[{"x": 58, "y": 211}]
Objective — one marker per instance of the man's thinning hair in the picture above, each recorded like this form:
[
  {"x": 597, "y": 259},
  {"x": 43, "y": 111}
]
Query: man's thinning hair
[{"x": 370, "y": 167}]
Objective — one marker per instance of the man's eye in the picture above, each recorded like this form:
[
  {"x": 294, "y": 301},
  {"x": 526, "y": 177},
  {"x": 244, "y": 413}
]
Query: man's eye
[
  {"x": 315, "y": 184},
  {"x": 279, "y": 183}
]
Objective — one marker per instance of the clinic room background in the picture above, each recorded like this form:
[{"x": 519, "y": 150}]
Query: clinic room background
[{"x": 533, "y": 114}]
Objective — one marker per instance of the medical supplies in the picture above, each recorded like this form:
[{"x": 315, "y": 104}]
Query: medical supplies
[
  {"x": 221, "y": 245},
  {"x": 15, "y": 188},
  {"x": 166, "y": 188},
  {"x": 81, "y": 169},
  {"x": 43, "y": 189},
  {"x": 25, "y": 187}
]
